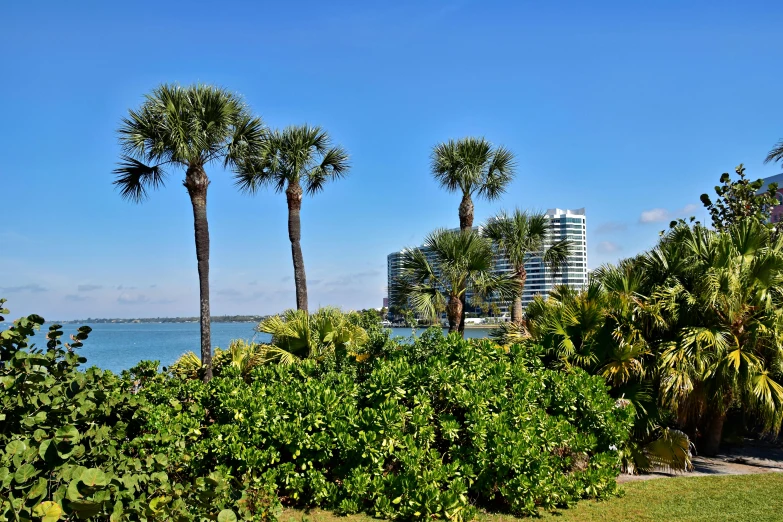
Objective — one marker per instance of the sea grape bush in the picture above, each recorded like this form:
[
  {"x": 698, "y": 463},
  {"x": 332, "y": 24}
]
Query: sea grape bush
[
  {"x": 438, "y": 428},
  {"x": 74, "y": 444},
  {"x": 413, "y": 436}
]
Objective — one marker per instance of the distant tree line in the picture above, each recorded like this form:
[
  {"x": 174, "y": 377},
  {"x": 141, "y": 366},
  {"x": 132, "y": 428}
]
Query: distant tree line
[{"x": 214, "y": 319}]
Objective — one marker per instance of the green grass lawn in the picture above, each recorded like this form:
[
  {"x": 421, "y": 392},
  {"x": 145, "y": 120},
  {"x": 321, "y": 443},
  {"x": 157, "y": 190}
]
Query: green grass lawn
[{"x": 755, "y": 498}]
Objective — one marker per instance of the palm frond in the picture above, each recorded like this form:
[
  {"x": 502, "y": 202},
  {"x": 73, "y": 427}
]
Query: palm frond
[
  {"x": 776, "y": 154},
  {"x": 183, "y": 126},
  {"x": 671, "y": 451},
  {"x": 134, "y": 178}
]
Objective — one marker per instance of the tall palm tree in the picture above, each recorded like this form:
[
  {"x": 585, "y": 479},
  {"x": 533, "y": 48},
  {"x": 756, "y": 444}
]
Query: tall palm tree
[
  {"x": 472, "y": 166},
  {"x": 190, "y": 128},
  {"x": 519, "y": 236},
  {"x": 450, "y": 265},
  {"x": 295, "y": 156}
]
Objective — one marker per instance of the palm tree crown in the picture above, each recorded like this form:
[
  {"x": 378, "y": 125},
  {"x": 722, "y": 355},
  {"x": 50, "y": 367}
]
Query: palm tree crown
[
  {"x": 472, "y": 166},
  {"x": 295, "y": 156},
  {"x": 189, "y": 128},
  {"x": 776, "y": 154}
]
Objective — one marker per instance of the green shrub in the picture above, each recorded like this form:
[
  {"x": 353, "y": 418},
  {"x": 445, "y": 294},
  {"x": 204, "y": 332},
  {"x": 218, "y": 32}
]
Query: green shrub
[
  {"x": 433, "y": 430},
  {"x": 437, "y": 428},
  {"x": 76, "y": 444}
]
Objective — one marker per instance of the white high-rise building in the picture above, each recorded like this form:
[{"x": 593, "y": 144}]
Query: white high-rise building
[{"x": 566, "y": 224}]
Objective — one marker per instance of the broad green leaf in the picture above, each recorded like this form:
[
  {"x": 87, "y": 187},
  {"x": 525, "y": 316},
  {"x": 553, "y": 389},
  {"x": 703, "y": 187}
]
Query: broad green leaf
[
  {"x": 15, "y": 447},
  {"x": 66, "y": 434},
  {"x": 85, "y": 508},
  {"x": 25, "y": 473},
  {"x": 48, "y": 511},
  {"x": 227, "y": 515},
  {"x": 47, "y": 451},
  {"x": 93, "y": 477},
  {"x": 39, "y": 489}
]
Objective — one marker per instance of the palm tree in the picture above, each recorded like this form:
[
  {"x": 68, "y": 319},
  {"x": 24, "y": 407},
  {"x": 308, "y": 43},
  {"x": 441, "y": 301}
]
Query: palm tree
[
  {"x": 187, "y": 127},
  {"x": 450, "y": 265},
  {"x": 472, "y": 166},
  {"x": 520, "y": 236},
  {"x": 295, "y": 156}
]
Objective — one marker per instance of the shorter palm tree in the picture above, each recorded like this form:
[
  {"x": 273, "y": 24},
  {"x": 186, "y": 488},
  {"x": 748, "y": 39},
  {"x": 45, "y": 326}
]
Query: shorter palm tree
[
  {"x": 451, "y": 265},
  {"x": 299, "y": 335},
  {"x": 295, "y": 156},
  {"x": 521, "y": 236}
]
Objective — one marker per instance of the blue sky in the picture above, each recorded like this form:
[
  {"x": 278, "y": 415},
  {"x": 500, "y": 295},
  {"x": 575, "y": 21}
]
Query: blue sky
[{"x": 629, "y": 109}]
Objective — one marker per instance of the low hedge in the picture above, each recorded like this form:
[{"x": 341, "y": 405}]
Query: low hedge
[{"x": 438, "y": 428}]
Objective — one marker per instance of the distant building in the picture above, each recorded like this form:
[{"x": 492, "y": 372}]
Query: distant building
[
  {"x": 777, "y": 211},
  {"x": 566, "y": 224}
]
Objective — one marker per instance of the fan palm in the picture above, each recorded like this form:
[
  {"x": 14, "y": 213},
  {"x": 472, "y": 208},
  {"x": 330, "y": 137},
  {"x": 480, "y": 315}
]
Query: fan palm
[
  {"x": 189, "y": 128},
  {"x": 298, "y": 335},
  {"x": 472, "y": 166},
  {"x": 450, "y": 265},
  {"x": 291, "y": 158},
  {"x": 241, "y": 354},
  {"x": 724, "y": 344},
  {"x": 520, "y": 236}
]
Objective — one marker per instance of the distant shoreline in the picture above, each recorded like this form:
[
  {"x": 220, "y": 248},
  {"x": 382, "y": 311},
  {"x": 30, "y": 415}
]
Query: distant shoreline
[{"x": 156, "y": 320}]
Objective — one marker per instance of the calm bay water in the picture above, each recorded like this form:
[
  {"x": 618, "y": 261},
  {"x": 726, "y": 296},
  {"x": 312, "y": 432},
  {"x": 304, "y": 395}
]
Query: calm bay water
[{"x": 119, "y": 346}]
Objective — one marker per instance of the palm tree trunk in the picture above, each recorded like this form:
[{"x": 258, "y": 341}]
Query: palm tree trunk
[
  {"x": 516, "y": 310},
  {"x": 294, "y": 197},
  {"x": 714, "y": 434},
  {"x": 196, "y": 182},
  {"x": 466, "y": 212},
  {"x": 454, "y": 312},
  {"x": 465, "y": 223}
]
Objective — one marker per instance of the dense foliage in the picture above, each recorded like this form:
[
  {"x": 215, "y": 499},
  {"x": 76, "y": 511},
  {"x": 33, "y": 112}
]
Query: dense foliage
[
  {"x": 77, "y": 444},
  {"x": 431, "y": 429},
  {"x": 687, "y": 331}
]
